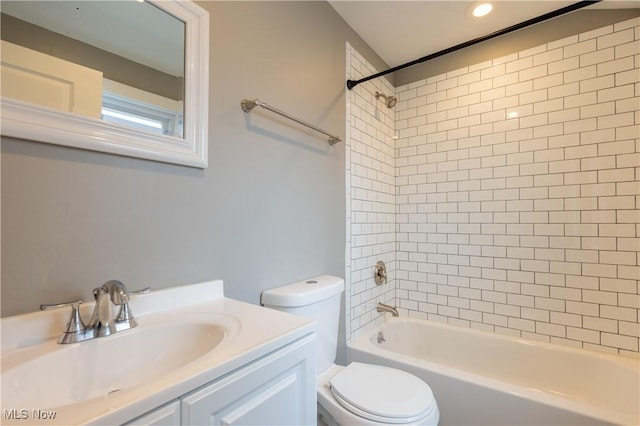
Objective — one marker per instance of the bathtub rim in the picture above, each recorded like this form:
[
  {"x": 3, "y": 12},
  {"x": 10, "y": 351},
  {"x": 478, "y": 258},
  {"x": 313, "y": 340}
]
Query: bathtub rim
[{"x": 365, "y": 343}]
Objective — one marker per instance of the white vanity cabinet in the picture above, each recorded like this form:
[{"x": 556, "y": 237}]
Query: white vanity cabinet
[
  {"x": 195, "y": 358},
  {"x": 167, "y": 415},
  {"x": 278, "y": 389}
]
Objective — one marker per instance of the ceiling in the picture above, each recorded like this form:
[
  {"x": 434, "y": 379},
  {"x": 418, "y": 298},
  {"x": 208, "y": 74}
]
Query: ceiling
[
  {"x": 401, "y": 31},
  {"x": 398, "y": 31}
]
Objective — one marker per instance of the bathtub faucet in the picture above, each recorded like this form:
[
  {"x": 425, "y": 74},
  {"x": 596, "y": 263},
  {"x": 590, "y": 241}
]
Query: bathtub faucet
[{"x": 386, "y": 308}]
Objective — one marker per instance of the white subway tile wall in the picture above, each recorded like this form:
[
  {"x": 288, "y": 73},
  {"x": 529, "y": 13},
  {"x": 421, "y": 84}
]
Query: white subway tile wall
[
  {"x": 510, "y": 198},
  {"x": 371, "y": 200},
  {"x": 518, "y": 193}
]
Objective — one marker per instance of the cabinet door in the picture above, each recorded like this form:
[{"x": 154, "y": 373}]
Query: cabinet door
[
  {"x": 167, "y": 415},
  {"x": 278, "y": 389}
]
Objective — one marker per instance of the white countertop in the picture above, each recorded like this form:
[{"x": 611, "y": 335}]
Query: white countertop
[{"x": 253, "y": 332}]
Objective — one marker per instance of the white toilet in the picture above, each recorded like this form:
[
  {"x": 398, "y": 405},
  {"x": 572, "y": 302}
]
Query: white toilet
[{"x": 357, "y": 394}]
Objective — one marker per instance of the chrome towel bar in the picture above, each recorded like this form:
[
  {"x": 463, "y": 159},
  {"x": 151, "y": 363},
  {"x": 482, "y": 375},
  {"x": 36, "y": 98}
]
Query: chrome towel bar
[{"x": 248, "y": 104}]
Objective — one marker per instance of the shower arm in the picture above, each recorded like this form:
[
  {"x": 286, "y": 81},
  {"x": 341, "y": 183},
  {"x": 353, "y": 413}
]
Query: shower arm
[{"x": 248, "y": 104}]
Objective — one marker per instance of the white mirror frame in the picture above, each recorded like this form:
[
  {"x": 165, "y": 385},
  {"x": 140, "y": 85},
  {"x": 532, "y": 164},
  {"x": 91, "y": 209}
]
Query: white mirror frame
[{"x": 32, "y": 122}]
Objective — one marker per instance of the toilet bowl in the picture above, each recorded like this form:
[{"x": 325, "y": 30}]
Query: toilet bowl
[
  {"x": 364, "y": 394},
  {"x": 358, "y": 394}
]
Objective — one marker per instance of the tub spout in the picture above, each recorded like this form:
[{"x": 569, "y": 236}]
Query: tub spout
[{"x": 386, "y": 308}]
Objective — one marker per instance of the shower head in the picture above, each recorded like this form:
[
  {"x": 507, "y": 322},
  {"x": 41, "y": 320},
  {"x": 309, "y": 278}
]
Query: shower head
[{"x": 389, "y": 101}]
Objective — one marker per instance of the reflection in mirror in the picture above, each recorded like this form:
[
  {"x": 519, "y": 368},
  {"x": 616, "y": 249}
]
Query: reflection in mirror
[
  {"x": 128, "y": 54},
  {"x": 125, "y": 77}
]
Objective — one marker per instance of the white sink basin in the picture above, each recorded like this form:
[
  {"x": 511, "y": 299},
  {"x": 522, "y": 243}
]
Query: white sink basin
[
  {"x": 188, "y": 336},
  {"x": 45, "y": 378}
]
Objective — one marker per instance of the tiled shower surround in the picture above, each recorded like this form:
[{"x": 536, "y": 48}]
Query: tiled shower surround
[
  {"x": 371, "y": 199},
  {"x": 517, "y": 194}
]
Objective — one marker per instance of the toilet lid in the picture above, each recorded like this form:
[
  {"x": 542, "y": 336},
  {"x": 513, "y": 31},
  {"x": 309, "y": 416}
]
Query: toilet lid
[{"x": 381, "y": 393}]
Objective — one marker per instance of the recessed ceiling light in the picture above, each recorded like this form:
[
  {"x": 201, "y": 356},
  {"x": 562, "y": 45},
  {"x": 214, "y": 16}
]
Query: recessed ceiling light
[{"x": 482, "y": 9}]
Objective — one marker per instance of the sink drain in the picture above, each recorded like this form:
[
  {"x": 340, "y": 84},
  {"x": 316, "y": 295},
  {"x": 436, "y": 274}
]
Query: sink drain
[{"x": 113, "y": 391}]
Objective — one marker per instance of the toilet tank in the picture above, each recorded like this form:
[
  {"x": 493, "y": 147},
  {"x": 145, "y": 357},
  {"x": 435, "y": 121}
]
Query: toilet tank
[{"x": 317, "y": 298}]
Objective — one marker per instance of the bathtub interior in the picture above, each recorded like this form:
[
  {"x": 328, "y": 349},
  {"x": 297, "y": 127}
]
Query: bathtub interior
[{"x": 502, "y": 377}]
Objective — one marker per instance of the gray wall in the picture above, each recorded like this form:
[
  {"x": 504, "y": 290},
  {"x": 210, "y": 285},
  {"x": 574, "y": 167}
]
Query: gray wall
[{"x": 269, "y": 209}]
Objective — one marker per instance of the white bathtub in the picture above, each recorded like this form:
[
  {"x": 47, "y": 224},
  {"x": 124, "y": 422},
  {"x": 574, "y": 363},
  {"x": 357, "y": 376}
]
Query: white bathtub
[{"x": 481, "y": 378}]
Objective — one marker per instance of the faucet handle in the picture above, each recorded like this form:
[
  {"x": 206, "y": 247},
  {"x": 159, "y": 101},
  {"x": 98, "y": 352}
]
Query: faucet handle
[
  {"x": 75, "y": 330},
  {"x": 145, "y": 290},
  {"x": 380, "y": 273},
  {"x": 125, "y": 320},
  {"x": 75, "y": 323},
  {"x": 46, "y": 306}
]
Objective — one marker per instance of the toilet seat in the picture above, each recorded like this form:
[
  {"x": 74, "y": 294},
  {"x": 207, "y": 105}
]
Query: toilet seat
[{"x": 382, "y": 394}]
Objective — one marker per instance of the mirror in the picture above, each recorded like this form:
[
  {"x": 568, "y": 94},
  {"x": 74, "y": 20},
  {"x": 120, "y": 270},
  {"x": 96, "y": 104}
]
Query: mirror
[{"x": 126, "y": 77}]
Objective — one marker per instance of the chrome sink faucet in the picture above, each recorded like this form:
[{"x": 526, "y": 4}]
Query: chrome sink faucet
[
  {"x": 102, "y": 323},
  {"x": 111, "y": 293}
]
